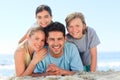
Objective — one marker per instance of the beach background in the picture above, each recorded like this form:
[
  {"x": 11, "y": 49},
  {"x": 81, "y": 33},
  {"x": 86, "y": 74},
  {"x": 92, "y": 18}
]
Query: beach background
[
  {"x": 106, "y": 61},
  {"x": 16, "y": 17}
]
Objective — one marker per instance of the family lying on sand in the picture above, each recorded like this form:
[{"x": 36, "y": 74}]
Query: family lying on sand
[{"x": 46, "y": 50}]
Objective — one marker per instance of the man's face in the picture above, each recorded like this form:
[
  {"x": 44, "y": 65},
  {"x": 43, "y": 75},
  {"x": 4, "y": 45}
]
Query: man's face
[{"x": 56, "y": 42}]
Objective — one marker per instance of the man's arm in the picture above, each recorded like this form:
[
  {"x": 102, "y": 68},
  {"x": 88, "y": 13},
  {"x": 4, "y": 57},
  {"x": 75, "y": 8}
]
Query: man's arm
[{"x": 76, "y": 62}]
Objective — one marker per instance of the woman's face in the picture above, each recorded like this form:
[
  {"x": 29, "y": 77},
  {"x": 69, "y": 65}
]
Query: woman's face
[
  {"x": 43, "y": 18},
  {"x": 37, "y": 40}
]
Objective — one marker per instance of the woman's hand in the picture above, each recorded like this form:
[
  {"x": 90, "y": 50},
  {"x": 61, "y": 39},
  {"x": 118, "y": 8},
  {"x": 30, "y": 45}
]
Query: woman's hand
[{"x": 39, "y": 55}]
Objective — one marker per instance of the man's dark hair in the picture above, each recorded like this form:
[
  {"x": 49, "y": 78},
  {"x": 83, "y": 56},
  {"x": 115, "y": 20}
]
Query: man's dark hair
[{"x": 55, "y": 26}]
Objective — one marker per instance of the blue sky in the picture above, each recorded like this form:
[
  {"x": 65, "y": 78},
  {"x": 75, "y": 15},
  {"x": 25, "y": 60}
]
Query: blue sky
[{"x": 17, "y": 16}]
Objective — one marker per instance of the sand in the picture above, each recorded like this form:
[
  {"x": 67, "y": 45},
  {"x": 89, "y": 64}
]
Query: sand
[{"x": 98, "y": 75}]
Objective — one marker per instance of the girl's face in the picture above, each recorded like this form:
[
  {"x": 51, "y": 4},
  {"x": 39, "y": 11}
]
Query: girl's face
[
  {"x": 43, "y": 18},
  {"x": 36, "y": 41},
  {"x": 75, "y": 28}
]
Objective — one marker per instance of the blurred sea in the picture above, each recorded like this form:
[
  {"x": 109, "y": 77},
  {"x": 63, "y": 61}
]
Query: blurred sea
[{"x": 106, "y": 61}]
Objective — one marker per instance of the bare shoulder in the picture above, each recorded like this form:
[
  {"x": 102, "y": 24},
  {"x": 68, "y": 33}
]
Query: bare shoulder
[{"x": 19, "y": 53}]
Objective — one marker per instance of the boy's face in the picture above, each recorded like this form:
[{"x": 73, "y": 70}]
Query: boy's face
[
  {"x": 43, "y": 18},
  {"x": 75, "y": 28},
  {"x": 56, "y": 42}
]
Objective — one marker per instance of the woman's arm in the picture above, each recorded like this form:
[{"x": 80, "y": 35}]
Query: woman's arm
[
  {"x": 20, "y": 62},
  {"x": 19, "y": 59}
]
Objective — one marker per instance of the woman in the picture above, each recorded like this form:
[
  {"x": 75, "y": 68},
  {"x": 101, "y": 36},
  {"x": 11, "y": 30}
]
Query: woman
[
  {"x": 25, "y": 62},
  {"x": 43, "y": 16}
]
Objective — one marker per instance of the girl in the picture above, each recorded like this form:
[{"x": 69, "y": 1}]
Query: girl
[{"x": 43, "y": 17}]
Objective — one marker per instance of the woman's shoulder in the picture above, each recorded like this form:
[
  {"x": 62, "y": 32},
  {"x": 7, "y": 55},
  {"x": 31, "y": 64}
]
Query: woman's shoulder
[{"x": 20, "y": 50}]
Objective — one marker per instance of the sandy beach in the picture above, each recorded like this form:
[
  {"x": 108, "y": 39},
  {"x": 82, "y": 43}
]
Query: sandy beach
[{"x": 98, "y": 75}]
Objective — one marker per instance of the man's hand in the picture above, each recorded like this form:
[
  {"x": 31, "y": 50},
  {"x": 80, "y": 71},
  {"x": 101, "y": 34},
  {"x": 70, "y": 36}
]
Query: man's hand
[{"x": 54, "y": 70}]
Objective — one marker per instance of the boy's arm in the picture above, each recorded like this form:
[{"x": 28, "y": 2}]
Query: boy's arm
[{"x": 93, "y": 65}]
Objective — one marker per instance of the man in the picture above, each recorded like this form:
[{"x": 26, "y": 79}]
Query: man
[{"x": 62, "y": 58}]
